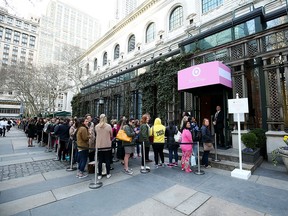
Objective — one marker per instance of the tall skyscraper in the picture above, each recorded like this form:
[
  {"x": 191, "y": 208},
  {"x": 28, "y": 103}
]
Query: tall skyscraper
[
  {"x": 125, "y": 7},
  {"x": 62, "y": 26}
]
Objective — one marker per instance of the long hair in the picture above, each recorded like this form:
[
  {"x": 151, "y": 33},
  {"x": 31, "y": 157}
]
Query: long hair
[
  {"x": 144, "y": 119},
  {"x": 102, "y": 120},
  {"x": 184, "y": 125}
]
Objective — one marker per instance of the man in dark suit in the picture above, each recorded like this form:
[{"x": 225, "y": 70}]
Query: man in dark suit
[{"x": 218, "y": 122}]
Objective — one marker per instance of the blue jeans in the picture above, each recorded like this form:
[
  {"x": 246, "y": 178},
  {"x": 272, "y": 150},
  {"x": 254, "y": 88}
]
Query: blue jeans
[
  {"x": 171, "y": 152},
  {"x": 82, "y": 159},
  {"x": 205, "y": 158},
  {"x": 195, "y": 151}
]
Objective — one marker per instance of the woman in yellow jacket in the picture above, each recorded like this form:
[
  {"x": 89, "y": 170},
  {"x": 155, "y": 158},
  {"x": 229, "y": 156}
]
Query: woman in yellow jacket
[{"x": 158, "y": 133}]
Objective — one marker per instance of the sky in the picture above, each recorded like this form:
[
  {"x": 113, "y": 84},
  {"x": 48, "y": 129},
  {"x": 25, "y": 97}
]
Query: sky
[{"x": 101, "y": 9}]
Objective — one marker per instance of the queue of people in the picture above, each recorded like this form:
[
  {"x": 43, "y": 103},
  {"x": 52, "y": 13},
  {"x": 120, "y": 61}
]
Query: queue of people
[{"x": 90, "y": 133}]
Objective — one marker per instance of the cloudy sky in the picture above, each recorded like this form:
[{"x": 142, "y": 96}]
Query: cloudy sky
[{"x": 97, "y": 8}]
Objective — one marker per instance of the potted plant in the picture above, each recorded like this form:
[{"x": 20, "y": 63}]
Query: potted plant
[
  {"x": 261, "y": 141},
  {"x": 251, "y": 153},
  {"x": 281, "y": 152}
]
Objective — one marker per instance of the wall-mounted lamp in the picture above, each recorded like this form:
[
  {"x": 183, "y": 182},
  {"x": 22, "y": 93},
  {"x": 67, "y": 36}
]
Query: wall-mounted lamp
[{"x": 101, "y": 100}]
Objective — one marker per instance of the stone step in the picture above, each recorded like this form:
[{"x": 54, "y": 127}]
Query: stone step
[{"x": 229, "y": 159}]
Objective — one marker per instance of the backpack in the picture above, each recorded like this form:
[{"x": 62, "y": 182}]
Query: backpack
[{"x": 196, "y": 135}]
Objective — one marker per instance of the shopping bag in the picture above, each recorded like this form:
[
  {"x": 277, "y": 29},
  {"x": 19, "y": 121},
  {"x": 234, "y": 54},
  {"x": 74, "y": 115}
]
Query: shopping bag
[
  {"x": 121, "y": 135},
  {"x": 178, "y": 137},
  {"x": 193, "y": 160}
]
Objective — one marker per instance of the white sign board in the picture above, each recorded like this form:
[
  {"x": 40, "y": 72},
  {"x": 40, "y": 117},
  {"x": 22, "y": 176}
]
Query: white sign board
[
  {"x": 241, "y": 117},
  {"x": 238, "y": 105}
]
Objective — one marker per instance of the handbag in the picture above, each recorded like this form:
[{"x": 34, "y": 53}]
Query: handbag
[
  {"x": 121, "y": 135},
  {"x": 208, "y": 146},
  {"x": 178, "y": 137},
  {"x": 193, "y": 160}
]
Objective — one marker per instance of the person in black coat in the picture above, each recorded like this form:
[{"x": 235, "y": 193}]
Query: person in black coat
[
  {"x": 62, "y": 131},
  {"x": 218, "y": 122},
  {"x": 172, "y": 146}
]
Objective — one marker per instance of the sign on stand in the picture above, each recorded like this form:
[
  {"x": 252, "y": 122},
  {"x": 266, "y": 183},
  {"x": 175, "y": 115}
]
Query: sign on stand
[{"x": 238, "y": 107}]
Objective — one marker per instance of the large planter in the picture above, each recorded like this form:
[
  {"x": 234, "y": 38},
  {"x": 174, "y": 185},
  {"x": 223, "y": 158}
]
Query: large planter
[
  {"x": 284, "y": 155},
  {"x": 250, "y": 157}
]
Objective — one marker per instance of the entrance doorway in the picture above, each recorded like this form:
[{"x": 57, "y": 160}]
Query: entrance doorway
[
  {"x": 208, "y": 98},
  {"x": 208, "y": 105}
]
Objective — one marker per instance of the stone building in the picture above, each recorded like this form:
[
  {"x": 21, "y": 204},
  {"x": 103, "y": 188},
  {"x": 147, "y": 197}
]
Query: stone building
[{"x": 249, "y": 37}]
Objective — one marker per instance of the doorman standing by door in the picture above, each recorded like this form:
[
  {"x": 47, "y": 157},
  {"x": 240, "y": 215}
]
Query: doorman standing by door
[{"x": 218, "y": 122}]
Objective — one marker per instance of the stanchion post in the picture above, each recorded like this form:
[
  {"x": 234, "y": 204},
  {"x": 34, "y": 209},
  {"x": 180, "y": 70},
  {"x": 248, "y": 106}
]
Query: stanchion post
[
  {"x": 115, "y": 159},
  {"x": 96, "y": 184},
  {"x": 145, "y": 170},
  {"x": 71, "y": 168},
  {"x": 199, "y": 171},
  {"x": 216, "y": 155},
  {"x": 42, "y": 138},
  {"x": 49, "y": 143},
  {"x": 58, "y": 147}
]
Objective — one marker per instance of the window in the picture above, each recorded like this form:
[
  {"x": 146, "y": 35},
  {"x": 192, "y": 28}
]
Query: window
[
  {"x": 26, "y": 25},
  {"x": 32, "y": 42},
  {"x": 116, "y": 52},
  {"x": 9, "y": 20},
  {"x": 208, "y": 5},
  {"x": 8, "y": 34},
  {"x": 176, "y": 18},
  {"x": 131, "y": 43},
  {"x": 95, "y": 64},
  {"x": 18, "y": 23},
  {"x": 33, "y": 28},
  {"x": 24, "y": 39},
  {"x": 105, "y": 59},
  {"x": 16, "y": 38},
  {"x": 87, "y": 68},
  {"x": 150, "y": 32},
  {"x": 6, "y": 48},
  {"x": 1, "y": 32},
  {"x": 1, "y": 17}
]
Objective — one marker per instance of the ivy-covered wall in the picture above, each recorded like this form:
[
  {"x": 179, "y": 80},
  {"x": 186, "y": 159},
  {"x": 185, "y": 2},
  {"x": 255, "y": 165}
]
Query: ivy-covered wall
[
  {"x": 159, "y": 86},
  {"x": 76, "y": 105}
]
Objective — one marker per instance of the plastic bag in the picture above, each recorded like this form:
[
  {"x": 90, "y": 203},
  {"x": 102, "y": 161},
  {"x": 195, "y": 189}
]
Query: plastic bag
[{"x": 193, "y": 160}]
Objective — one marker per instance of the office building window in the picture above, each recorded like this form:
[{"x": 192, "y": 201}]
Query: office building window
[
  {"x": 208, "y": 5},
  {"x": 8, "y": 35},
  {"x": 32, "y": 42},
  {"x": 16, "y": 38},
  {"x": 150, "y": 32},
  {"x": 1, "y": 32},
  {"x": 131, "y": 43},
  {"x": 9, "y": 20},
  {"x": 18, "y": 23},
  {"x": 116, "y": 52},
  {"x": 24, "y": 39},
  {"x": 176, "y": 18}
]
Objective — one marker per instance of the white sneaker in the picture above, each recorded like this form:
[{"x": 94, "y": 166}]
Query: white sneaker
[
  {"x": 108, "y": 176},
  {"x": 99, "y": 177}
]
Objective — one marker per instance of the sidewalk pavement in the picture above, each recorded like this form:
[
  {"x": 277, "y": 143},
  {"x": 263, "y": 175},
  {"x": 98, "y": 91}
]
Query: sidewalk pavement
[{"x": 31, "y": 183}]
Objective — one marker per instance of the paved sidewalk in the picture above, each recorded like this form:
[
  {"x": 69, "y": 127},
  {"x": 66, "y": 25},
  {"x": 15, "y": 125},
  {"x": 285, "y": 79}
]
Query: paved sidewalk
[{"x": 48, "y": 189}]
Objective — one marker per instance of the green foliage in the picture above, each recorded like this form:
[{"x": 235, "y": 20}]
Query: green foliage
[
  {"x": 76, "y": 105},
  {"x": 261, "y": 137},
  {"x": 159, "y": 86},
  {"x": 249, "y": 140}
]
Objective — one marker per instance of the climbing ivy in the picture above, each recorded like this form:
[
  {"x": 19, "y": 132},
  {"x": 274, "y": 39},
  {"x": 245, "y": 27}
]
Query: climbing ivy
[
  {"x": 159, "y": 86},
  {"x": 76, "y": 105}
]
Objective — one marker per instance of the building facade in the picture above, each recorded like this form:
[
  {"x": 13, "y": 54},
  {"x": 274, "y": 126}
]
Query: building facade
[
  {"x": 250, "y": 37},
  {"x": 18, "y": 45},
  {"x": 64, "y": 25}
]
